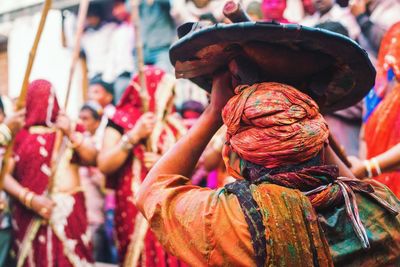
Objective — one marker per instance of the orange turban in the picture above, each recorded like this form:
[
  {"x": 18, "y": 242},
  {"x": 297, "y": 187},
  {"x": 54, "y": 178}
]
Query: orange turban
[{"x": 271, "y": 124}]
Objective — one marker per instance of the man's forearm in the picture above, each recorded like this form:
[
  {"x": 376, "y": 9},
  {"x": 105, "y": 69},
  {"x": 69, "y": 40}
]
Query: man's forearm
[{"x": 183, "y": 157}]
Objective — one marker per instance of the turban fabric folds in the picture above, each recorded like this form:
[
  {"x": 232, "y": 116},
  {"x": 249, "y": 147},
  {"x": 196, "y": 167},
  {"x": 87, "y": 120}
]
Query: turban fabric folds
[
  {"x": 271, "y": 124},
  {"x": 274, "y": 125}
]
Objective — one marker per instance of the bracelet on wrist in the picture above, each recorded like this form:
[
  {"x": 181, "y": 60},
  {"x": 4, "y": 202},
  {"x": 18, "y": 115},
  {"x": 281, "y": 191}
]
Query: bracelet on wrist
[
  {"x": 77, "y": 140},
  {"x": 22, "y": 194},
  {"x": 133, "y": 139},
  {"x": 368, "y": 168},
  {"x": 28, "y": 199},
  {"x": 376, "y": 170},
  {"x": 126, "y": 143}
]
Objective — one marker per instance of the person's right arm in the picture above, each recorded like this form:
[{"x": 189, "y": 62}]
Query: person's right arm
[
  {"x": 387, "y": 161},
  {"x": 116, "y": 149}
]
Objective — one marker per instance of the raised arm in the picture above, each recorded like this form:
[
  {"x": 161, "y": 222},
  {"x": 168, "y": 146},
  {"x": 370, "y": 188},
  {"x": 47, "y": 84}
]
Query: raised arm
[
  {"x": 117, "y": 147},
  {"x": 183, "y": 157},
  {"x": 84, "y": 147}
]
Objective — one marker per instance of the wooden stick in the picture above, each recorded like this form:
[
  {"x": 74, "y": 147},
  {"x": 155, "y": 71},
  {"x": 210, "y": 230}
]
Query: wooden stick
[
  {"x": 83, "y": 8},
  {"x": 85, "y": 81},
  {"x": 235, "y": 13},
  {"x": 24, "y": 89},
  {"x": 32, "y": 54},
  {"x": 144, "y": 95},
  {"x": 340, "y": 152}
]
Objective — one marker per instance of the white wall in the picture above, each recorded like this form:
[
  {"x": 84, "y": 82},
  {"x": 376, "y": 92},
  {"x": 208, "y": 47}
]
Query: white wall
[{"x": 52, "y": 60}]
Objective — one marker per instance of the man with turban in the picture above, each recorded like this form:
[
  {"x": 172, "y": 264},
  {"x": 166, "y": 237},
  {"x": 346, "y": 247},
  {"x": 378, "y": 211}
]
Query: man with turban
[{"x": 291, "y": 205}]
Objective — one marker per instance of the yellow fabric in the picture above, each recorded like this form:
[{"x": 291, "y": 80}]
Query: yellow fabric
[{"x": 207, "y": 227}]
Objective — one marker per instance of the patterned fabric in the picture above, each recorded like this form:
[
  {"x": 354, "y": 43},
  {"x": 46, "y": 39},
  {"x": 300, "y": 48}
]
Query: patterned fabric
[
  {"x": 65, "y": 243},
  {"x": 388, "y": 59},
  {"x": 382, "y": 129},
  {"x": 271, "y": 123},
  {"x": 370, "y": 202},
  {"x": 206, "y": 227},
  {"x": 388, "y": 69},
  {"x": 41, "y": 106},
  {"x": 301, "y": 170},
  {"x": 128, "y": 178},
  {"x": 33, "y": 152},
  {"x": 253, "y": 218},
  {"x": 382, "y": 229}
]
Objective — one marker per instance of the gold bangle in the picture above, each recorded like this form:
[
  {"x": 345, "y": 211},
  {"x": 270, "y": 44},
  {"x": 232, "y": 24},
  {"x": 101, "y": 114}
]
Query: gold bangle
[
  {"x": 78, "y": 135},
  {"x": 377, "y": 167},
  {"x": 368, "y": 168},
  {"x": 22, "y": 194},
  {"x": 125, "y": 143},
  {"x": 133, "y": 139},
  {"x": 28, "y": 199}
]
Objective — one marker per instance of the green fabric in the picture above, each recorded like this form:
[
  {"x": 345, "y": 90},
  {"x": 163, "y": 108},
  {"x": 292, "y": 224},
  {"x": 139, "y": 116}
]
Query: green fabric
[
  {"x": 5, "y": 244},
  {"x": 383, "y": 230}
]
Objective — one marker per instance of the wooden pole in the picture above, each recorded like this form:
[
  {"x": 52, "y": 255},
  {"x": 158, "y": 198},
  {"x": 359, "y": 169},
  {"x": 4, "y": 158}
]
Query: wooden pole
[
  {"x": 24, "y": 89},
  {"x": 136, "y": 244},
  {"x": 83, "y": 8},
  {"x": 144, "y": 95},
  {"x": 85, "y": 80}
]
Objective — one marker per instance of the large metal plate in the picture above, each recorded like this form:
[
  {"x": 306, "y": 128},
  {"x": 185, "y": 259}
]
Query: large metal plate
[{"x": 330, "y": 67}]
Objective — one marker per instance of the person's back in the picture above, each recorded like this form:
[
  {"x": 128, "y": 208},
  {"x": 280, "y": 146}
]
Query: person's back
[{"x": 290, "y": 206}]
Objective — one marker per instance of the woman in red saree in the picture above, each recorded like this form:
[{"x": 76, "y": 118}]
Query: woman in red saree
[
  {"x": 382, "y": 125},
  {"x": 49, "y": 216},
  {"x": 133, "y": 143}
]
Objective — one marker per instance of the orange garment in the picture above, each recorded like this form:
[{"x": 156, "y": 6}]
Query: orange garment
[
  {"x": 382, "y": 130},
  {"x": 207, "y": 227}
]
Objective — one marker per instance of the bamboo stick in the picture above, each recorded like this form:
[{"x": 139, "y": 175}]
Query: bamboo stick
[
  {"x": 24, "y": 89},
  {"x": 83, "y": 8},
  {"x": 144, "y": 95}
]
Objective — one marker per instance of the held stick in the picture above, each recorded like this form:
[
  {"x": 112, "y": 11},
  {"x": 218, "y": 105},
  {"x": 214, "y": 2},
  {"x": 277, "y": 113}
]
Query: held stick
[{"x": 24, "y": 89}]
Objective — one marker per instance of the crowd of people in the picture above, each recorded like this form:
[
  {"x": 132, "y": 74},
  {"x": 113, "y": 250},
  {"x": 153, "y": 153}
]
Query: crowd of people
[{"x": 83, "y": 191}]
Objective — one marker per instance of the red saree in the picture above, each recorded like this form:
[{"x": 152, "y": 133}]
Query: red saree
[
  {"x": 382, "y": 130},
  {"x": 136, "y": 244},
  {"x": 62, "y": 241}
]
